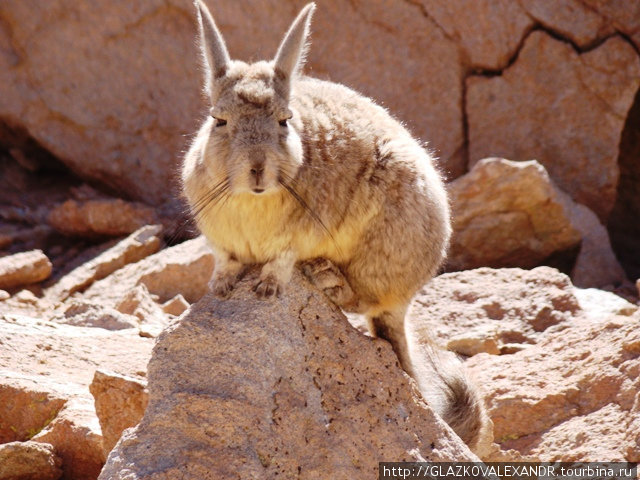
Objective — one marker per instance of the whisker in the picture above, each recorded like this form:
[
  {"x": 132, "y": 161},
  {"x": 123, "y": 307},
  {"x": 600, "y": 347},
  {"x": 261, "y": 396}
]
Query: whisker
[
  {"x": 210, "y": 199},
  {"x": 287, "y": 182}
]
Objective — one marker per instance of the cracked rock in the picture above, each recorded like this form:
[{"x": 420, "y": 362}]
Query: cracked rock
[
  {"x": 488, "y": 31},
  {"x": 566, "y": 110}
]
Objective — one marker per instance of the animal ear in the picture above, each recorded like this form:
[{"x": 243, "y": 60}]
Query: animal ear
[
  {"x": 214, "y": 51},
  {"x": 291, "y": 54}
]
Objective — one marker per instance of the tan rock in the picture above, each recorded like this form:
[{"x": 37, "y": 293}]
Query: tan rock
[
  {"x": 77, "y": 439},
  {"x": 4, "y": 295},
  {"x": 24, "y": 268},
  {"x": 508, "y": 214},
  {"x": 44, "y": 384},
  {"x": 573, "y": 19},
  {"x": 138, "y": 302},
  {"x": 111, "y": 115},
  {"x": 625, "y": 16},
  {"x": 325, "y": 401},
  {"x": 103, "y": 217},
  {"x": 561, "y": 91},
  {"x": 487, "y": 310},
  {"x": 29, "y": 461},
  {"x": 135, "y": 80},
  {"x": 83, "y": 314},
  {"x": 183, "y": 269},
  {"x": 176, "y": 306},
  {"x": 596, "y": 264},
  {"x": 488, "y": 31},
  {"x": 120, "y": 403},
  {"x": 599, "y": 304},
  {"x": 572, "y": 396},
  {"x": 140, "y": 244}
]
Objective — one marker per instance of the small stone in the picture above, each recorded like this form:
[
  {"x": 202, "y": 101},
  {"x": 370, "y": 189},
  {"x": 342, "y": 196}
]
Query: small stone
[
  {"x": 24, "y": 268},
  {"x": 29, "y": 461},
  {"x": 176, "y": 306},
  {"x": 104, "y": 217},
  {"x": 120, "y": 403}
]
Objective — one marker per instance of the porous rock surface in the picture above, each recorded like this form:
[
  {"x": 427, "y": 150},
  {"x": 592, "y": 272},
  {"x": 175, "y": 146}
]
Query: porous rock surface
[
  {"x": 286, "y": 387},
  {"x": 492, "y": 310},
  {"x": 558, "y": 366},
  {"x": 574, "y": 395}
]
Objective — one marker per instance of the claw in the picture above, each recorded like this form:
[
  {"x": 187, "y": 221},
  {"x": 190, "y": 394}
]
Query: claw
[{"x": 267, "y": 287}]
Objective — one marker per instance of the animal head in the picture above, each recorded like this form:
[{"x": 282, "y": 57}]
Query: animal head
[{"x": 254, "y": 136}]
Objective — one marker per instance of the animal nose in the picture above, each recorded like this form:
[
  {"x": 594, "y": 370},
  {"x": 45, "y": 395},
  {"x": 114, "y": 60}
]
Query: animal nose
[{"x": 257, "y": 170}]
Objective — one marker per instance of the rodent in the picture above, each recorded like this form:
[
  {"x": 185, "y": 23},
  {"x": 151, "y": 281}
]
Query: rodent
[{"x": 290, "y": 169}]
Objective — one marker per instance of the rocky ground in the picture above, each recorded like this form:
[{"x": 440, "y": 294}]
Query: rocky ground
[
  {"x": 532, "y": 107},
  {"x": 558, "y": 365}
]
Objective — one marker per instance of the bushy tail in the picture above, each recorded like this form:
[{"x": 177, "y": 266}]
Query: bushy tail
[{"x": 444, "y": 385}]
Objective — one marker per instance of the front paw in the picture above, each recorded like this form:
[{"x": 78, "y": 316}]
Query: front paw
[
  {"x": 325, "y": 276},
  {"x": 222, "y": 285},
  {"x": 268, "y": 287}
]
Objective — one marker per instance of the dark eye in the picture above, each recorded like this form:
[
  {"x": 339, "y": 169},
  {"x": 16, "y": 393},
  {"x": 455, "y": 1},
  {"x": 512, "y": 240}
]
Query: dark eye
[
  {"x": 283, "y": 123},
  {"x": 220, "y": 122}
]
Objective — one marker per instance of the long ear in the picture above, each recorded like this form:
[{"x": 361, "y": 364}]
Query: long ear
[
  {"x": 292, "y": 51},
  {"x": 212, "y": 45}
]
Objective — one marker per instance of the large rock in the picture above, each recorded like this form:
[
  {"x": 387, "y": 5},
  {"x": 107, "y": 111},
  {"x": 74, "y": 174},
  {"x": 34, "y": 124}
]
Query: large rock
[
  {"x": 573, "y": 19},
  {"x": 574, "y": 395},
  {"x": 110, "y": 89},
  {"x": 495, "y": 311},
  {"x": 286, "y": 387},
  {"x": 488, "y": 31},
  {"x": 624, "y": 16},
  {"x": 508, "y": 214},
  {"x": 561, "y": 91},
  {"x": 559, "y": 366},
  {"x": 114, "y": 90},
  {"x": 44, "y": 386},
  {"x": 29, "y": 461}
]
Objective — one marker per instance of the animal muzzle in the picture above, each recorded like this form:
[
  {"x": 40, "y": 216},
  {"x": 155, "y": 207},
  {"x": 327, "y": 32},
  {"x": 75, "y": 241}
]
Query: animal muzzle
[{"x": 257, "y": 161}]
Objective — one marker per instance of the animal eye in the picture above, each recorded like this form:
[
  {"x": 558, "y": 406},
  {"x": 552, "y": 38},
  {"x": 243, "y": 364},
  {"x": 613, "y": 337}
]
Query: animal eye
[{"x": 220, "y": 122}]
